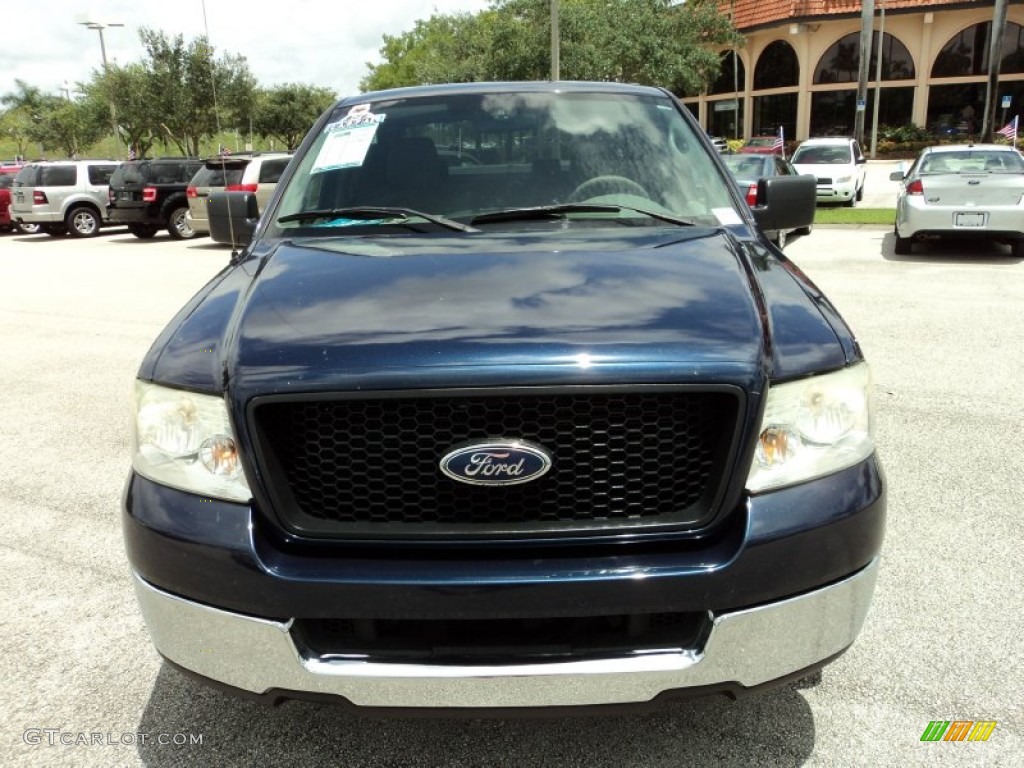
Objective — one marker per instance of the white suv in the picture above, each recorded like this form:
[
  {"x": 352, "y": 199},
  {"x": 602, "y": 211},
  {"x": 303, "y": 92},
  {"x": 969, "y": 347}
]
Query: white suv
[
  {"x": 63, "y": 196},
  {"x": 838, "y": 164}
]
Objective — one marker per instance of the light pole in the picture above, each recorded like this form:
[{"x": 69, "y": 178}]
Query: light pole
[
  {"x": 878, "y": 85},
  {"x": 556, "y": 44},
  {"x": 99, "y": 27}
]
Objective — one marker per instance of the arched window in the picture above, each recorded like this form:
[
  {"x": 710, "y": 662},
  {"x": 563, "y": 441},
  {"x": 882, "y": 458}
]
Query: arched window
[
  {"x": 726, "y": 82},
  {"x": 777, "y": 67},
  {"x": 966, "y": 54},
  {"x": 839, "y": 63}
]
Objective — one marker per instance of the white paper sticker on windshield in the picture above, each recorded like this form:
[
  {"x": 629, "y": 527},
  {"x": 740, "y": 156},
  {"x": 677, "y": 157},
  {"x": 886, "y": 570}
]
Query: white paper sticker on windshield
[
  {"x": 348, "y": 140},
  {"x": 727, "y": 216}
]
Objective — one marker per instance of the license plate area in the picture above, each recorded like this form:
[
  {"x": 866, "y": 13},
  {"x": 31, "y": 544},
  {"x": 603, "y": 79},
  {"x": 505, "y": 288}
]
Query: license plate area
[{"x": 972, "y": 220}]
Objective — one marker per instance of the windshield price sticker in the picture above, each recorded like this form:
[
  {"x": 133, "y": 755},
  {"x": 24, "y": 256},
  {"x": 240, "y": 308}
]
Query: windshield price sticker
[{"x": 348, "y": 140}]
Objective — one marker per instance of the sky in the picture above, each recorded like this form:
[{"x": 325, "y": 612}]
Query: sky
[{"x": 320, "y": 42}]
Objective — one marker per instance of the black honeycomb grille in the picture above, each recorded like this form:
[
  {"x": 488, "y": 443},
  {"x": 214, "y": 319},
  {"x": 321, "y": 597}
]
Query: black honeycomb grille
[{"x": 371, "y": 466}]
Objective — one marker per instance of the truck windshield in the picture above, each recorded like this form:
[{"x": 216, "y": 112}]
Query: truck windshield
[{"x": 464, "y": 156}]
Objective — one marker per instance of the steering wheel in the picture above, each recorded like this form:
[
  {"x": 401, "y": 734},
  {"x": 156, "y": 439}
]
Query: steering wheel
[{"x": 606, "y": 185}]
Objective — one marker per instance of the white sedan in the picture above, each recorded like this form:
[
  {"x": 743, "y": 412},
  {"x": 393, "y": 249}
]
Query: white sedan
[{"x": 962, "y": 191}]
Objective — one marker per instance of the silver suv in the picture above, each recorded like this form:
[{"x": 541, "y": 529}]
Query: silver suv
[
  {"x": 63, "y": 196},
  {"x": 256, "y": 172}
]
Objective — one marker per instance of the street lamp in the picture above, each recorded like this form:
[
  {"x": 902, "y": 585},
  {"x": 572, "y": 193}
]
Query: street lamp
[
  {"x": 99, "y": 27},
  {"x": 878, "y": 85}
]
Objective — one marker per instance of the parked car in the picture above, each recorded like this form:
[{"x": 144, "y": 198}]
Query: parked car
[
  {"x": 839, "y": 165},
  {"x": 760, "y": 145},
  {"x": 149, "y": 195},
  {"x": 62, "y": 196},
  {"x": 6, "y": 180},
  {"x": 720, "y": 144},
  {"x": 256, "y": 172},
  {"x": 748, "y": 170},
  {"x": 964, "y": 191},
  {"x": 559, "y": 428}
]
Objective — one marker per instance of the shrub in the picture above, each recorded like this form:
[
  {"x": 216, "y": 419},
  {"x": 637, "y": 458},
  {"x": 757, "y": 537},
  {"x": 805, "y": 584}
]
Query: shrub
[{"x": 903, "y": 134}]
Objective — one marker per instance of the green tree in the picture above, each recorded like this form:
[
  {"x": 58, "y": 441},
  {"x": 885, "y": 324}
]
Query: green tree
[
  {"x": 131, "y": 89},
  {"x": 73, "y": 125},
  {"x": 287, "y": 112},
  {"x": 14, "y": 125},
  {"x": 66, "y": 125},
  {"x": 197, "y": 94},
  {"x": 652, "y": 42},
  {"x": 446, "y": 48}
]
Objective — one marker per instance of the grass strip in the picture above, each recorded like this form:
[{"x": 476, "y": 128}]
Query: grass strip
[{"x": 839, "y": 215}]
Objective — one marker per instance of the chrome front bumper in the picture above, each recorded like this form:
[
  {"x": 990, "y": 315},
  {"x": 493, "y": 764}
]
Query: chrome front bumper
[{"x": 747, "y": 647}]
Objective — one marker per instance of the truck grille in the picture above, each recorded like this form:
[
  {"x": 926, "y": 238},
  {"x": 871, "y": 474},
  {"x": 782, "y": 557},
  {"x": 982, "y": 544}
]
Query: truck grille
[{"x": 369, "y": 466}]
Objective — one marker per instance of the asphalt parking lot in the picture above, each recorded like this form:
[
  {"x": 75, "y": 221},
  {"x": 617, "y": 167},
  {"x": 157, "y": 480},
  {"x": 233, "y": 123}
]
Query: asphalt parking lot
[{"x": 944, "y": 332}]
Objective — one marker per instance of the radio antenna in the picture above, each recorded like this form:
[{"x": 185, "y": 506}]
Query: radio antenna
[{"x": 216, "y": 119}]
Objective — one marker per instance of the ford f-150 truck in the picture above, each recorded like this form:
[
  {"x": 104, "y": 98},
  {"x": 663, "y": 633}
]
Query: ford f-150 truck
[{"x": 507, "y": 404}]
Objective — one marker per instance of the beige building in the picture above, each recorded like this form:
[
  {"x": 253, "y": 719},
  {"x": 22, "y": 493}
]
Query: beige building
[{"x": 798, "y": 69}]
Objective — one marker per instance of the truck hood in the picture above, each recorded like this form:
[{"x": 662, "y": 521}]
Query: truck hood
[{"x": 322, "y": 311}]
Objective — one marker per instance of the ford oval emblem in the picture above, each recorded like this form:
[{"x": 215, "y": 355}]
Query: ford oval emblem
[{"x": 496, "y": 462}]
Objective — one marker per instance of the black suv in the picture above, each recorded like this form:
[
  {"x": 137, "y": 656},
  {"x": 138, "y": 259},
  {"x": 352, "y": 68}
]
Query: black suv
[{"x": 149, "y": 195}]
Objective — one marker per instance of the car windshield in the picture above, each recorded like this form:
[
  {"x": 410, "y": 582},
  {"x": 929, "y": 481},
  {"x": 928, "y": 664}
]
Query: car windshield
[
  {"x": 130, "y": 173},
  {"x": 745, "y": 167},
  {"x": 467, "y": 156},
  {"x": 218, "y": 175},
  {"x": 27, "y": 176},
  {"x": 823, "y": 155},
  {"x": 993, "y": 161}
]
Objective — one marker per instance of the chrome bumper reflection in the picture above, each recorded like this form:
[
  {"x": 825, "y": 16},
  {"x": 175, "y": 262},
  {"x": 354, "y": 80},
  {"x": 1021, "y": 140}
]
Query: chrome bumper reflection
[{"x": 749, "y": 647}]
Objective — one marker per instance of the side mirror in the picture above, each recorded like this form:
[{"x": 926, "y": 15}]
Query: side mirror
[
  {"x": 233, "y": 217},
  {"x": 785, "y": 202}
]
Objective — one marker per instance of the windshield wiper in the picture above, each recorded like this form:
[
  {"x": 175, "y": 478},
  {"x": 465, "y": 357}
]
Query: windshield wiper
[
  {"x": 556, "y": 211},
  {"x": 369, "y": 212}
]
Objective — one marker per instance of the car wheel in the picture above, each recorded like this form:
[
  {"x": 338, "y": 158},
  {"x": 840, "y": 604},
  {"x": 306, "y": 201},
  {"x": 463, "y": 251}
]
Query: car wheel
[
  {"x": 804, "y": 230},
  {"x": 178, "y": 226},
  {"x": 143, "y": 231},
  {"x": 83, "y": 222},
  {"x": 55, "y": 230},
  {"x": 27, "y": 229},
  {"x": 860, "y": 193},
  {"x": 780, "y": 239},
  {"x": 852, "y": 202},
  {"x": 903, "y": 246},
  {"x": 1017, "y": 249}
]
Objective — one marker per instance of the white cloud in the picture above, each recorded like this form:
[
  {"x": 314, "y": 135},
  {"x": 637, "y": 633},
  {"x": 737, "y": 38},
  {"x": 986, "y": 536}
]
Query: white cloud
[{"x": 319, "y": 42}]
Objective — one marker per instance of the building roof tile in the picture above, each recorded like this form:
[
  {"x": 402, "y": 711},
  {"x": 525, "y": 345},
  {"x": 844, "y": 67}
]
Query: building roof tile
[{"x": 750, "y": 14}]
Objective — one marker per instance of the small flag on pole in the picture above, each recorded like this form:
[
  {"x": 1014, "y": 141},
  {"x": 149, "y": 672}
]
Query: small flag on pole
[
  {"x": 1010, "y": 130},
  {"x": 224, "y": 151},
  {"x": 779, "y": 145}
]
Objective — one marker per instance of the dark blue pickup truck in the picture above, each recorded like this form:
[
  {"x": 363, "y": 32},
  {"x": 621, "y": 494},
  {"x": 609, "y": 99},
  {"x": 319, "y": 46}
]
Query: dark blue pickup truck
[{"x": 507, "y": 403}]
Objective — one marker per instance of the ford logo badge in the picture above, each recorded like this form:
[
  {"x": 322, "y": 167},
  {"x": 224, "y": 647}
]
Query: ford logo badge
[{"x": 496, "y": 462}]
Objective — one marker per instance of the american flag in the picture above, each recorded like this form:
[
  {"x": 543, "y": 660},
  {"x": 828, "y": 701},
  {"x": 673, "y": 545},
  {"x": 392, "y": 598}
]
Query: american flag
[
  {"x": 779, "y": 145},
  {"x": 1010, "y": 129}
]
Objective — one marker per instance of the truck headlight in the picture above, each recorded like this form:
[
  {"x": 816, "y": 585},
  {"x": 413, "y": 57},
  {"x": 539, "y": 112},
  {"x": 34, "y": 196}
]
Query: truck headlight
[
  {"x": 844, "y": 179},
  {"x": 185, "y": 440},
  {"x": 813, "y": 427}
]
